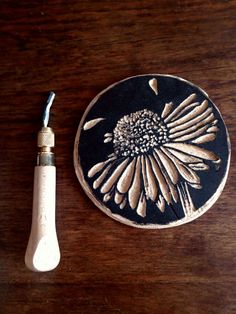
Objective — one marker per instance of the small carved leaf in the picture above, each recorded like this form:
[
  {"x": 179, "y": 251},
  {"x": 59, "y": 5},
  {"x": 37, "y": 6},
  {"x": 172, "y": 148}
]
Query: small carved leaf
[
  {"x": 90, "y": 124},
  {"x": 153, "y": 84}
]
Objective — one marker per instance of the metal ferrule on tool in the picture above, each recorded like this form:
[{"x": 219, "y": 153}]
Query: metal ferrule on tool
[{"x": 46, "y": 141}]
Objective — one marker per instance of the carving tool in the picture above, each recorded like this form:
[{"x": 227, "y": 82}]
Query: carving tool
[{"x": 42, "y": 253}]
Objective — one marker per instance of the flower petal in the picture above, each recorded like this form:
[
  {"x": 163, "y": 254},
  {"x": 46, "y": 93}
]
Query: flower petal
[
  {"x": 141, "y": 209},
  {"x": 153, "y": 84},
  {"x": 151, "y": 181},
  {"x": 191, "y": 122},
  {"x": 173, "y": 192},
  {"x": 122, "y": 205},
  {"x": 126, "y": 178},
  {"x": 193, "y": 150},
  {"x": 186, "y": 200},
  {"x": 168, "y": 165},
  {"x": 182, "y": 156},
  {"x": 90, "y": 124},
  {"x": 107, "y": 140},
  {"x": 188, "y": 174},
  {"x": 118, "y": 197},
  {"x": 168, "y": 107},
  {"x": 106, "y": 197},
  {"x": 144, "y": 175},
  {"x": 135, "y": 189},
  {"x": 191, "y": 135},
  {"x": 100, "y": 179},
  {"x": 185, "y": 103},
  {"x": 195, "y": 186},
  {"x": 192, "y": 105},
  {"x": 114, "y": 176},
  {"x": 161, "y": 203},
  {"x": 199, "y": 166},
  {"x": 193, "y": 127},
  {"x": 192, "y": 114},
  {"x": 165, "y": 174},
  {"x": 161, "y": 180},
  {"x": 204, "y": 138},
  {"x": 213, "y": 129},
  {"x": 98, "y": 167}
]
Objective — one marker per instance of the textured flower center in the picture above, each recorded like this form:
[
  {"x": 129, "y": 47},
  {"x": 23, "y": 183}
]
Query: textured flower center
[{"x": 138, "y": 133}]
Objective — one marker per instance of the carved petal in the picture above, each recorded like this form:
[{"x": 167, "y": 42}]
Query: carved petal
[
  {"x": 151, "y": 181},
  {"x": 135, "y": 189},
  {"x": 141, "y": 209},
  {"x": 191, "y": 135},
  {"x": 114, "y": 176},
  {"x": 185, "y": 103},
  {"x": 191, "y": 122},
  {"x": 162, "y": 183},
  {"x": 126, "y": 178},
  {"x": 204, "y": 138},
  {"x": 193, "y": 150},
  {"x": 192, "y": 114},
  {"x": 168, "y": 165},
  {"x": 182, "y": 156},
  {"x": 99, "y": 167},
  {"x": 168, "y": 107},
  {"x": 188, "y": 174},
  {"x": 194, "y": 127},
  {"x": 100, "y": 179},
  {"x": 90, "y": 124},
  {"x": 118, "y": 197}
]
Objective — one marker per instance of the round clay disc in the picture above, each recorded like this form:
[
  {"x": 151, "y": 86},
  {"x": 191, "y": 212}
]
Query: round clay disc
[{"x": 152, "y": 151}]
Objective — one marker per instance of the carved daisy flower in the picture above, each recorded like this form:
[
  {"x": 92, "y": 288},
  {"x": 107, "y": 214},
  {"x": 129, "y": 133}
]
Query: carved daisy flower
[{"x": 156, "y": 158}]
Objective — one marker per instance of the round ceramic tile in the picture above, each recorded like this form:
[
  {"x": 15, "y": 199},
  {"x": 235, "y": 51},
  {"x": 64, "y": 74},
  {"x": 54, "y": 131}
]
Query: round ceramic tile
[{"x": 152, "y": 151}]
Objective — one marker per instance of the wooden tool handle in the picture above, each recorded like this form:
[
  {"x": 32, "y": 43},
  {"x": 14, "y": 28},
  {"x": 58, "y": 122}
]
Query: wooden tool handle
[{"x": 42, "y": 253}]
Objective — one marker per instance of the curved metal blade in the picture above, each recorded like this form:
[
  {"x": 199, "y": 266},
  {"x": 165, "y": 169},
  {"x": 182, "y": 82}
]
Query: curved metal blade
[{"x": 48, "y": 105}]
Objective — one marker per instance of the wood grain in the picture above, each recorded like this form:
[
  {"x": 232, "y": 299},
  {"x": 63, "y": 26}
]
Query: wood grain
[{"x": 77, "y": 48}]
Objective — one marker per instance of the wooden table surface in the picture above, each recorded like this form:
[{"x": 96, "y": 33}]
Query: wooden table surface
[{"x": 78, "y": 48}]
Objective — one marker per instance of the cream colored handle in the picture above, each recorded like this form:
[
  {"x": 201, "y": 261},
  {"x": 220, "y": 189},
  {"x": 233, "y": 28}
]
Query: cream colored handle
[{"x": 43, "y": 253}]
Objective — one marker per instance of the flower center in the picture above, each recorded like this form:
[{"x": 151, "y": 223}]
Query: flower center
[{"x": 138, "y": 133}]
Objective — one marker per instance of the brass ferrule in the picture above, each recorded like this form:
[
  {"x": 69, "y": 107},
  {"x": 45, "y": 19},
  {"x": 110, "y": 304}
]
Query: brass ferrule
[
  {"x": 46, "y": 137},
  {"x": 46, "y": 141}
]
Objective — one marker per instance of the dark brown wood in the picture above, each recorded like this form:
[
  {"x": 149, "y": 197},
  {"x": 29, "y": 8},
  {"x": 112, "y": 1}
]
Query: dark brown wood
[{"x": 77, "y": 48}]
